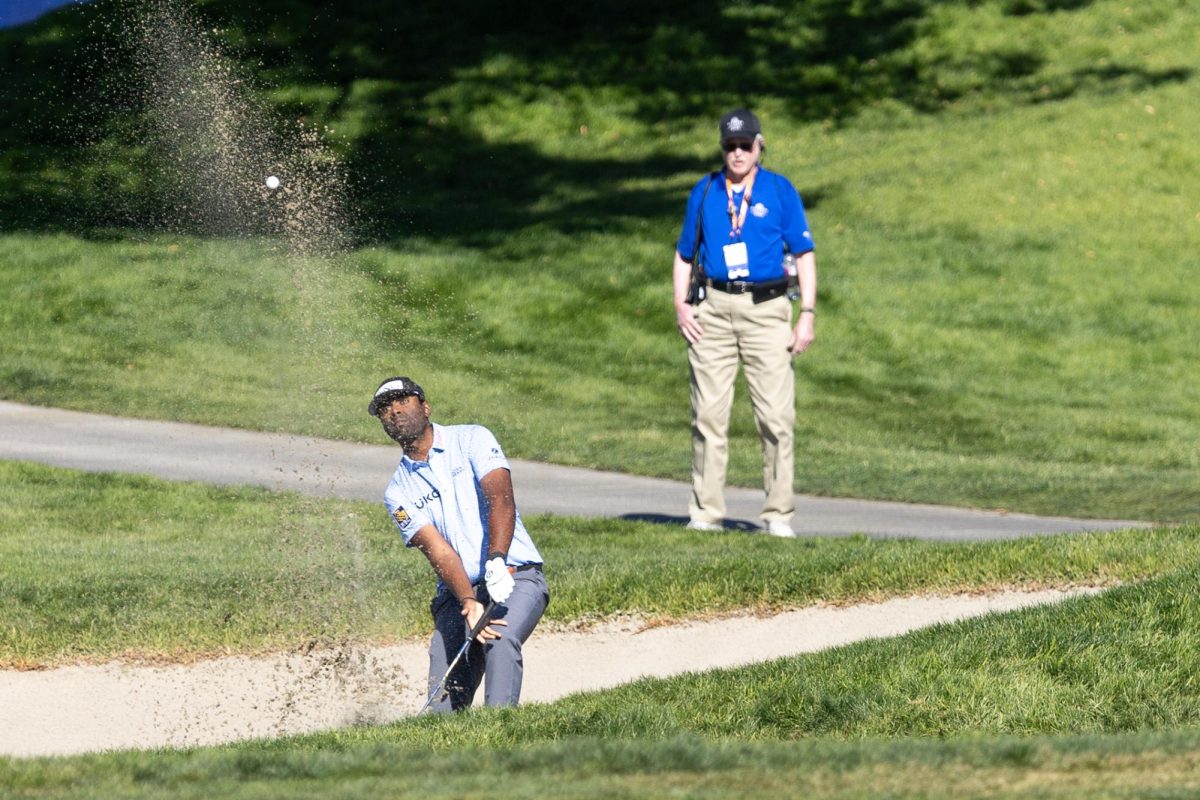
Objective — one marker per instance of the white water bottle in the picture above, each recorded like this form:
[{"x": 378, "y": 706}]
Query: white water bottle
[{"x": 793, "y": 281}]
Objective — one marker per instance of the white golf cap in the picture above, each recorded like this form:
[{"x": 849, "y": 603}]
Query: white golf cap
[{"x": 393, "y": 389}]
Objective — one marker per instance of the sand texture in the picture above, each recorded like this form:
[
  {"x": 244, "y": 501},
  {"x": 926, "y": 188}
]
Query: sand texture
[{"x": 80, "y": 709}]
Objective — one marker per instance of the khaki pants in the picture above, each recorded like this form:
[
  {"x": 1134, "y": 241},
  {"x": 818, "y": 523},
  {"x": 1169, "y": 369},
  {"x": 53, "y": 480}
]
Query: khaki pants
[{"x": 735, "y": 329}]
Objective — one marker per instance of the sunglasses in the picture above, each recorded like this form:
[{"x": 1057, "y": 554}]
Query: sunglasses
[{"x": 741, "y": 144}]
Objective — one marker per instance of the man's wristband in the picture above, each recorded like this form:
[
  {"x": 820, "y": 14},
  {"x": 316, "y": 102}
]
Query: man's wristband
[
  {"x": 808, "y": 310},
  {"x": 497, "y": 554}
]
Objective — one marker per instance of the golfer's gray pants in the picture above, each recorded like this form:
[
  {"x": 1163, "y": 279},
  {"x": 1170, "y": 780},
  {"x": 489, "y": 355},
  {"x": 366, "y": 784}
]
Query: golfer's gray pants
[{"x": 498, "y": 664}]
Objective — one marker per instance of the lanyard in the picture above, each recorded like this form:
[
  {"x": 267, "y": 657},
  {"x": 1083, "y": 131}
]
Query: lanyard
[{"x": 738, "y": 218}]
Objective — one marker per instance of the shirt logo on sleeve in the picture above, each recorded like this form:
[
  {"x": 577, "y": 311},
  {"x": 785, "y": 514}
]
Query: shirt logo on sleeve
[{"x": 401, "y": 516}]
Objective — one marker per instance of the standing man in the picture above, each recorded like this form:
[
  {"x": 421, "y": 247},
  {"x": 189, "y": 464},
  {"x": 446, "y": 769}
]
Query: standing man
[
  {"x": 740, "y": 223},
  {"x": 452, "y": 498}
]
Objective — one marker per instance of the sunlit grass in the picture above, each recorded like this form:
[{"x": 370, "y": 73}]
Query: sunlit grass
[
  {"x": 98, "y": 566},
  {"x": 1062, "y": 767},
  {"x": 1003, "y": 198},
  {"x": 986, "y": 336},
  {"x": 1094, "y": 697}
]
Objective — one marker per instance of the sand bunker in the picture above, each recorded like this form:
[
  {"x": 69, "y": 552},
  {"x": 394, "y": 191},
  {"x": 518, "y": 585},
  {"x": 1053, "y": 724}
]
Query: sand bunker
[{"x": 117, "y": 706}]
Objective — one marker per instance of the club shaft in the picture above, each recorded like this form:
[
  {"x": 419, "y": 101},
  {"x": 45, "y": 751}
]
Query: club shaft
[{"x": 438, "y": 691}]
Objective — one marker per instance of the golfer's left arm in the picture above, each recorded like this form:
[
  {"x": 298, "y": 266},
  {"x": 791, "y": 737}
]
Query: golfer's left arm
[
  {"x": 501, "y": 510},
  {"x": 804, "y": 332},
  {"x": 502, "y": 520}
]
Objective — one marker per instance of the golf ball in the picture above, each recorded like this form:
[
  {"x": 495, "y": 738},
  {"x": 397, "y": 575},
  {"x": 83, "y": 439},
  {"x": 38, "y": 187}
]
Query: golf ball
[{"x": 272, "y": 182}]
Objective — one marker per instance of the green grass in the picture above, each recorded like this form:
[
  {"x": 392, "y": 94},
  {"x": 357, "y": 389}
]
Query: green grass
[
  {"x": 1000, "y": 201},
  {"x": 1002, "y": 194},
  {"x": 97, "y": 566},
  {"x": 1160, "y": 765},
  {"x": 1094, "y": 697}
]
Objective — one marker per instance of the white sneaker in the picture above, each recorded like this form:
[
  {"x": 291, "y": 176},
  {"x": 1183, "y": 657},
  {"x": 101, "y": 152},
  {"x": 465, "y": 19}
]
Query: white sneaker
[
  {"x": 701, "y": 525},
  {"x": 778, "y": 527}
]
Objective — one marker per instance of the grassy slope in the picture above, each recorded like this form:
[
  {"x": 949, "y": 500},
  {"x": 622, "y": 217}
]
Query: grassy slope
[
  {"x": 1043, "y": 337},
  {"x": 1004, "y": 282},
  {"x": 1065, "y": 767},
  {"x": 1097, "y": 674}
]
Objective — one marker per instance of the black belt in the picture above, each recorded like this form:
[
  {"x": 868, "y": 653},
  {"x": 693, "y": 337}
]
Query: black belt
[
  {"x": 762, "y": 290},
  {"x": 741, "y": 287},
  {"x": 513, "y": 570}
]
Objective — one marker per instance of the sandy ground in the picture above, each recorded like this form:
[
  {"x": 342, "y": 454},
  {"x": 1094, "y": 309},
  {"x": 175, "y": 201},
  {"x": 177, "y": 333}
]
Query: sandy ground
[{"x": 82, "y": 709}]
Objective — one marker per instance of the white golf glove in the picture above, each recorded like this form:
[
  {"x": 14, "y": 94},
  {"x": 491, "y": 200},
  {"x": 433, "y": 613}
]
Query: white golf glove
[{"x": 499, "y": 580}]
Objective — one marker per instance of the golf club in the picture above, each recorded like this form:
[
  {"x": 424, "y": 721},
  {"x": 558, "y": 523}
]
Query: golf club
[{"x": 437, "y": 692}]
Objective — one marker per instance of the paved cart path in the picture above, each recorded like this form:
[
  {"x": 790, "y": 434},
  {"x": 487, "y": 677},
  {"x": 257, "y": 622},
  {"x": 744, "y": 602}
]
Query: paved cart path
[{"x": 180, "y": 451}]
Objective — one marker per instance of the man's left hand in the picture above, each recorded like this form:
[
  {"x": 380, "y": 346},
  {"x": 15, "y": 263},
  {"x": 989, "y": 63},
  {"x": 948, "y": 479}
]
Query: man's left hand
[
  {"x": 499, "y": 580},
  {"x": 802, "y": 335}
]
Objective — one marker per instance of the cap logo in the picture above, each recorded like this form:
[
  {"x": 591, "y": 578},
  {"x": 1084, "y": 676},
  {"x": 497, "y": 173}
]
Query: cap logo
[
  {"x": 392, "y": 386},
  {"x": 735, "y": 124}
]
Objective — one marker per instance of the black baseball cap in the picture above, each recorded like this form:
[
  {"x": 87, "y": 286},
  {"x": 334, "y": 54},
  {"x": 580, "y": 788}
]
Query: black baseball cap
[
  {"x": 394, "y": 389},
  {"x": 739, "y": 124}
]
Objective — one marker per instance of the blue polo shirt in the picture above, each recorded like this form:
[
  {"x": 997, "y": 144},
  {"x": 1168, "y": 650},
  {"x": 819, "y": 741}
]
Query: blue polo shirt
[
  {"x": 444, "y": 491},
  {"x": 776, "y": 217}
]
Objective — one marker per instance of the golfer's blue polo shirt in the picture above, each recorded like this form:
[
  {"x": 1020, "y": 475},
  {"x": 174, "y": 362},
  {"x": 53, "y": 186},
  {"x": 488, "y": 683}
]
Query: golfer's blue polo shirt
[
  {"x": 776, "y": 216},
  {"x": 445, "y": 492}
]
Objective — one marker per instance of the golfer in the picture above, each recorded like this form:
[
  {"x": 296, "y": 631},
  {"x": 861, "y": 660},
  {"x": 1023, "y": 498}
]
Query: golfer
[
  {"x": 451, "y": 497},
  {"x": 743, "y": 227}
]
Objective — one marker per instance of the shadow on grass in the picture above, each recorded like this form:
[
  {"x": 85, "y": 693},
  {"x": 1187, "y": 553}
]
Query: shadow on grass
[
  {"x": 729, "y": 526},
  {"x": 71, "y": 158}
]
